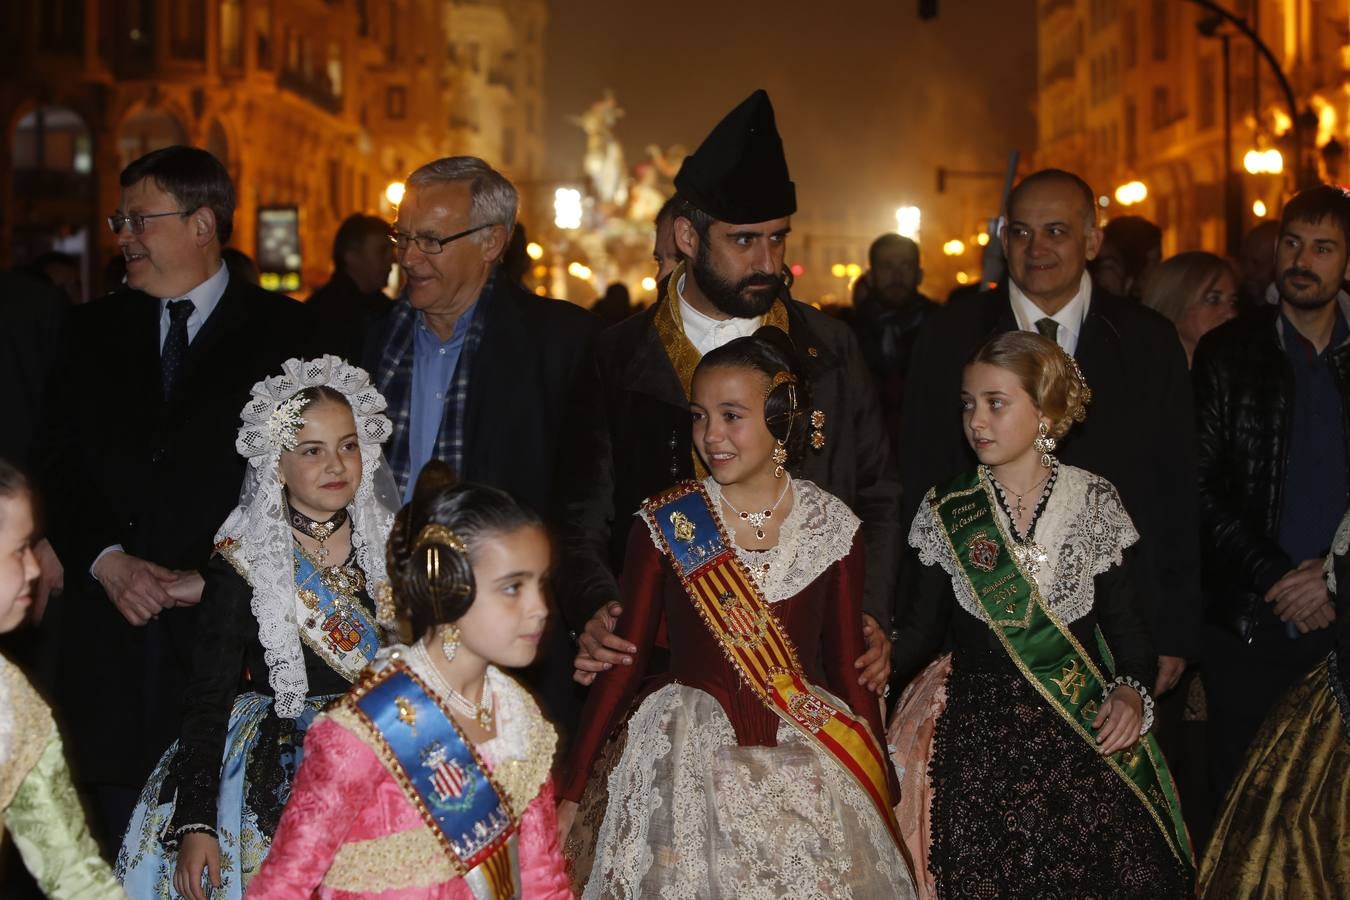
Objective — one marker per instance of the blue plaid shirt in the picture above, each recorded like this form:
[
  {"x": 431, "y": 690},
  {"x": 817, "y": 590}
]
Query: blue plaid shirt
[
  {"x": 434, "y": 363},
  {"x": 396, "y": 377}
]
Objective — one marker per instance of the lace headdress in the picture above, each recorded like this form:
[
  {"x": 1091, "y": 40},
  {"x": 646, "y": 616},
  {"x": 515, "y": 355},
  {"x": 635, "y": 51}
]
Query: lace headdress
[{"x": 257, "y": 535}]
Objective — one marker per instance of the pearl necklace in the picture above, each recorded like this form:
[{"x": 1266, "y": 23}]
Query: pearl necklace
[
  {"x": 482, "y": 713},
  {"x": 757, "y": 519}
]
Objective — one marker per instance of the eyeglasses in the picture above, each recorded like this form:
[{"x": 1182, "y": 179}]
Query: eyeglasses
[
  {"x": 137, "y": 222},
  {"x": 428, "y": 244}
]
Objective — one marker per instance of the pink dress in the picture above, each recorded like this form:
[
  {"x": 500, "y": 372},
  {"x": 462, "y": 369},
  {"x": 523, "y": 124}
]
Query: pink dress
[{"x": 349, "y": 830}]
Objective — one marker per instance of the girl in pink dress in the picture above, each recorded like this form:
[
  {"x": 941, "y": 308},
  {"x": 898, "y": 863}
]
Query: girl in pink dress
[{"x": 430, "y": 779}]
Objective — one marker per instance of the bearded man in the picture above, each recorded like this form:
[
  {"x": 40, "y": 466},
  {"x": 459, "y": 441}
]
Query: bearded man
[{"x": 631, "y": 433}]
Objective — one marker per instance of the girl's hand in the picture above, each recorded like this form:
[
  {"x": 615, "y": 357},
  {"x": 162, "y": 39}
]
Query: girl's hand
[
  {"x": 196, "y": 851},
  {"x": 1118, "y": 720},
  {"x": 567, "y": 812}
]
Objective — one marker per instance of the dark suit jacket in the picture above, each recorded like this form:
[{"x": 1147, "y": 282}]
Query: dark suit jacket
[
  {"x": 31, "y": 313},
  {"x": 1139, "y": 435},
  {"x": 522, "y": 379},
  {"x": 631, "y": 438},
  {"x": 124, "y": 467}
]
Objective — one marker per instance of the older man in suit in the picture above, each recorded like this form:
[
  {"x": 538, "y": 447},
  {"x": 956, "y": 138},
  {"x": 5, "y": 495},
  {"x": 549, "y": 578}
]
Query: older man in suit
[
  {"x": 476, "y": 369},
  {"x": 139, "y": 468}
]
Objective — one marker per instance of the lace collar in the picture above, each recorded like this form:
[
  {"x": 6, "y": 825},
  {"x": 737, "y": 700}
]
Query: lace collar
[
  {"x": 1084, "y": 531},
  {"x": 816, "y": 533}
]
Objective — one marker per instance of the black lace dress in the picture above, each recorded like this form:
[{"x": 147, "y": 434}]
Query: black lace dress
[
  {"x": 1021, "y": 805},
  {"x": 229, "y": 775}
]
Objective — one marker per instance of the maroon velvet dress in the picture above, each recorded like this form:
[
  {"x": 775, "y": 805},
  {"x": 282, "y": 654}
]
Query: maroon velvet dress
[{"x": 713, "y": 794}]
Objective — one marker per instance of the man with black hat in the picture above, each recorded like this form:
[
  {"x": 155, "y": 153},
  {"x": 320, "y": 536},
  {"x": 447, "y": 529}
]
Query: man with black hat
[{"x": 631, "y": 429}]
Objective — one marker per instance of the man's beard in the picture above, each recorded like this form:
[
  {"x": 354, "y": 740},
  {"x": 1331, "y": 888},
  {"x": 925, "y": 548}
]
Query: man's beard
[
  {"x": 1304, "y": 299},
  {"x": 732, "y": 297}
]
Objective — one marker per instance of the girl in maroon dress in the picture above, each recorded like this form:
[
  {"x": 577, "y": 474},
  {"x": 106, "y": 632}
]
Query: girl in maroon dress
[{"x": 731, "y": 781}]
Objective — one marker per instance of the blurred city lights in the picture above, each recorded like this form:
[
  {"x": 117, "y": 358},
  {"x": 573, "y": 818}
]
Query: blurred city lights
[
  {"x": 907, "y": 219},
  {"x": 649, "y": 283},
  {"x": 797, "y": 269},
  {"x": 852, "y": 270},
  {"x": 1259, "y": 209},
  {"x": 954, "y": 248},
  {"x": 1263, "y": 162},
  {"x": 577, "y": 270},
  {"x": 1131, "y": 192},
  {"x": 982, "y": 238},
  {"x": 838, "y": 270},
  {"x": 962, "y": 278},
  {"x": 394, "y": 192},
  {"x": 534, "y": 251},
  {"x": 567, "y": 208}
]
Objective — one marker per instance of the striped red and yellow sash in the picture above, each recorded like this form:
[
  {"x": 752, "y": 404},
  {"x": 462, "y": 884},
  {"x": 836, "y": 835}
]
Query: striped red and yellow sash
[{"x": 731, "y": 605}]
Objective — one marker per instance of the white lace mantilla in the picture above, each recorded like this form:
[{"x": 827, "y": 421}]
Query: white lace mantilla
[
  {"x": 1084, "y": 530},
  {"x": 817, "y": 532}
]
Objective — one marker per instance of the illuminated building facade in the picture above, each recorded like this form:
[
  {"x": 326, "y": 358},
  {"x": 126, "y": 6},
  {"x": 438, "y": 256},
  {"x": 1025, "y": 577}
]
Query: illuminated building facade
[{"x": 313, "y": 105}]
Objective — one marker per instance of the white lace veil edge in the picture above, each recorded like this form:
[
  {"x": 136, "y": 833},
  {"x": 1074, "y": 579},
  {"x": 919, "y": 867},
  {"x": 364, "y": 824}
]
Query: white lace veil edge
[{"x": 257, "y": 533}]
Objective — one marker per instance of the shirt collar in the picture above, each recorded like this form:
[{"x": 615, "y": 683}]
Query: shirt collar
[
  {"x": 707, "y": 333},
  {"x": 1070, "y": 317},
  {"x": 204, "y": 296}
]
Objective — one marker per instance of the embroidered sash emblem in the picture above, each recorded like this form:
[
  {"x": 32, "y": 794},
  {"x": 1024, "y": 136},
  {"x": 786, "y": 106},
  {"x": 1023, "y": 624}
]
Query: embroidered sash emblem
[{"x": 982, "y": 552}]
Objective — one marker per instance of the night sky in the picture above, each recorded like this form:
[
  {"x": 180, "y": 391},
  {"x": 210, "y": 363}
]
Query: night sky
[{"x": 869, "y": 98}]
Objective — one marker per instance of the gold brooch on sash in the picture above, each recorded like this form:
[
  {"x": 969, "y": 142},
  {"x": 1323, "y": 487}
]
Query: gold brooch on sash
[{"x": 684, "y": 529}]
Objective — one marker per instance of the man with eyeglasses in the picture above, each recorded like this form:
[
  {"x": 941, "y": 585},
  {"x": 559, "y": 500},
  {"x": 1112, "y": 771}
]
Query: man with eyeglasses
[
  {"x": 139, "y": 466},
  {"x": 477, "y": 371}
]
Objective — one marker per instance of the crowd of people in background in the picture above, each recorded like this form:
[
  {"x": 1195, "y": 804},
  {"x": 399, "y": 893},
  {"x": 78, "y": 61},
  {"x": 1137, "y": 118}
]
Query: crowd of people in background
[{"x": 452, "y": 589}]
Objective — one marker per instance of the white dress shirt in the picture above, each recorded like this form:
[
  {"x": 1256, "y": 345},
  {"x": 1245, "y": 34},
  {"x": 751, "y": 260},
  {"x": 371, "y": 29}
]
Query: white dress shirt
[
  {"x": 204, "y": 298},
  {"x": 707, "y": 333},
  {"x": 1070, "y": 318}
]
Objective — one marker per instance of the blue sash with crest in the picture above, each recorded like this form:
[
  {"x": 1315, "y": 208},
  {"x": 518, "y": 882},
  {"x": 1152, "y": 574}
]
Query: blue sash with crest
[
  {"x": 333, "y": 622},
  {"x": 443, "y": 777}
]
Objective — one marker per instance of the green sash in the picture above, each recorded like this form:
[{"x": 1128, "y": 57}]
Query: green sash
[{"x": 1045, "y": 650}]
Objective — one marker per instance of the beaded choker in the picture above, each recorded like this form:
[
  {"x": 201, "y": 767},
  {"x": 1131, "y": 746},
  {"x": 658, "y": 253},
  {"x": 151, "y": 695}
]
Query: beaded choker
[{"x": 320, "y": 531}]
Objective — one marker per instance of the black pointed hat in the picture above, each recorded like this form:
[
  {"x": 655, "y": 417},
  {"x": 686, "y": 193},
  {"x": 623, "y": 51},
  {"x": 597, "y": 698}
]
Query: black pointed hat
[{"x": 739, "y": 173}]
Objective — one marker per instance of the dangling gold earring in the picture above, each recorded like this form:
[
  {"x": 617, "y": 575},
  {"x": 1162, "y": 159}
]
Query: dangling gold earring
[
  {"x": 450, "y": 642},
  {"x": 1045, "y": 445},
  {"x": 779, "y": 457}
]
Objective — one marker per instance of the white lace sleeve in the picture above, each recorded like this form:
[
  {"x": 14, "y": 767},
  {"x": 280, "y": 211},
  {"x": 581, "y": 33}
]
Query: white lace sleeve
[
  {"x": 1087, "y": 530},
  {"x": 927, "y": 536},
  {"x": 1339, "y": 545}
]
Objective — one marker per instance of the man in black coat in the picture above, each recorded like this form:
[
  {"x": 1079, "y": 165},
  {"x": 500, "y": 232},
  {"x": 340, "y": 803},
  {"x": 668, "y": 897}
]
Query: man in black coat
[
  {"x": 632, "y": 433},
  {"x": 139, "y": 467},
  {"x": 1271, "y": 392},
  {"x": 477, "y": 371},
  {"x": 352, "y": 303},
  {"x": 1139, "y": 432}
]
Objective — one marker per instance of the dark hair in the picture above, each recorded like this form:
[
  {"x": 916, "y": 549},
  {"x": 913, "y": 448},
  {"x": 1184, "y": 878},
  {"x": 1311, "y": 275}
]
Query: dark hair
[
  {"x": 353, "y": 231},
  {"x": 1134, "y": 237},
  {"x": 240, "y": 265},
  {"x": 769, "y": 351},
  {"x": 890, "y": 239},
  {"x": 668, "y": 210},
  {"x": 1044, "y": 175},
  {"x": 193, "y": 177},
  {"x": 685, "y": 209},
  {"x": 12, "y": 481},
  {"x": 471, "y": 512},
  {"x": 1315, "y": 204}
]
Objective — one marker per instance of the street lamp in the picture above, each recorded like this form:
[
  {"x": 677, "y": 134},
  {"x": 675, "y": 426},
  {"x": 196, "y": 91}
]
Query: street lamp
[
  {"x": 534, "y": 251},
  {"x": 954, "y": 248},
  {"x": 1259, "y": 209},
  {"x": 907, "y": 220},
  {"x": 394, "y": 193},
  {"x": 1131, "y": 192},
  {"x": 1263, "y": 162},
  {"x": 567, "y": 208}
]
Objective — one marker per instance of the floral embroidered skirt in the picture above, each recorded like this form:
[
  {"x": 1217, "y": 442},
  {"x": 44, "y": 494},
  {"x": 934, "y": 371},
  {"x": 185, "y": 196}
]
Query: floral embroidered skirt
[
  {"x": 1022, "y": 806},
  {"x": 259, "y": 764},
  {"x": 1285, "y": 826},
  {"x": 692, "y": 814}
]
